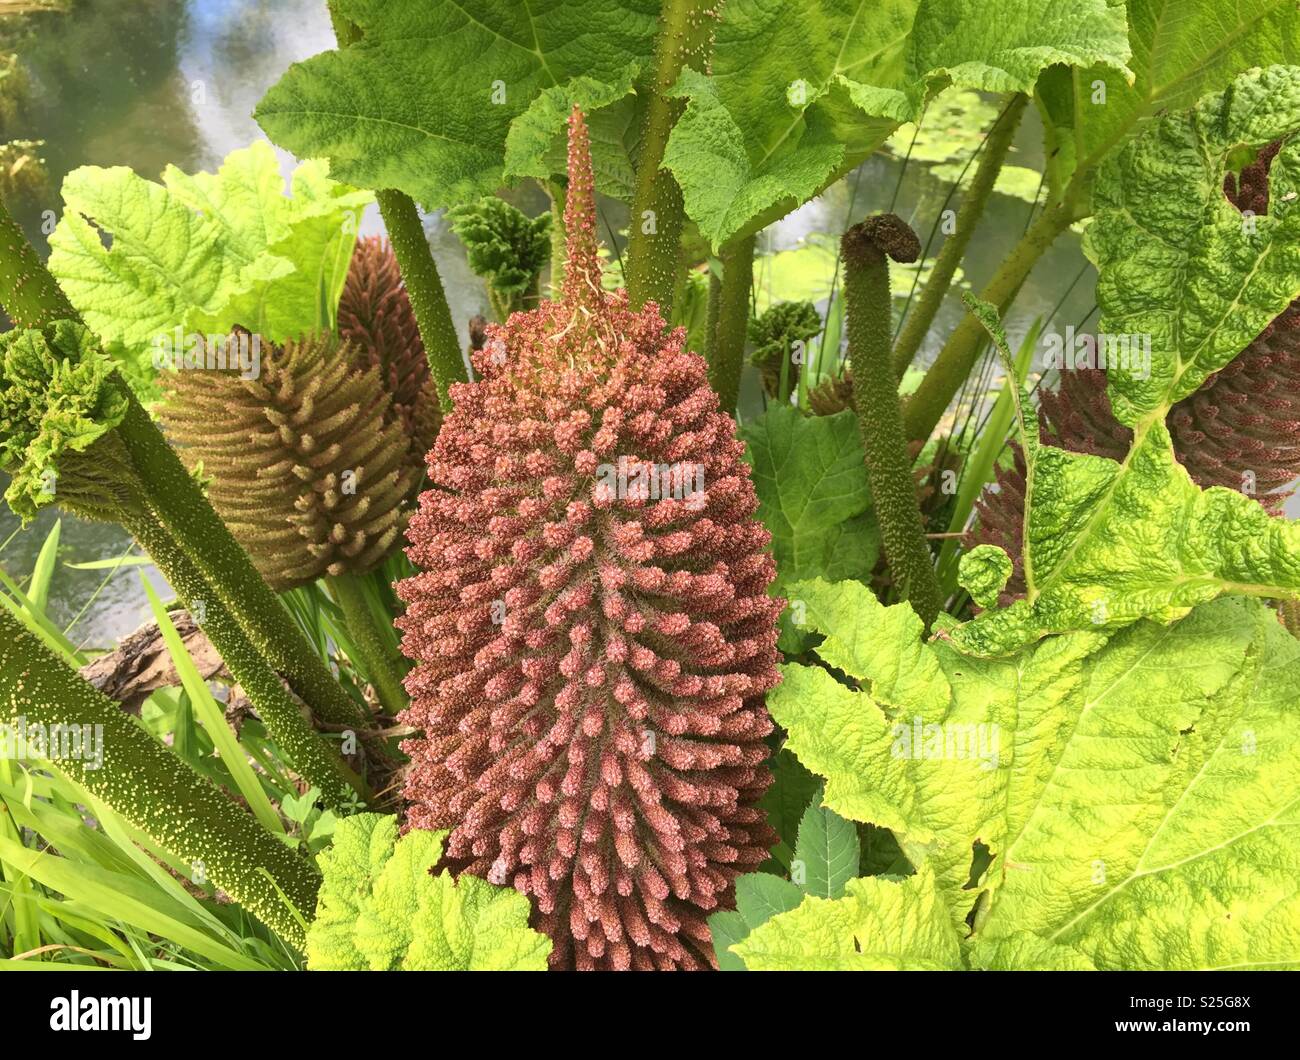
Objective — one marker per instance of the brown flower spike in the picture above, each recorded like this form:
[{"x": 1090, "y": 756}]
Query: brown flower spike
[
  {"x": 309, "y": 466},
  {"x": 592, "y": 626},
  {"x": 376, "y": 318}
]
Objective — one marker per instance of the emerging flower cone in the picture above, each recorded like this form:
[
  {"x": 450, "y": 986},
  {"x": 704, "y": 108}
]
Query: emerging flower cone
[
  {"x": 592, "y": 660},
  {"x": 376, "y": 318}
]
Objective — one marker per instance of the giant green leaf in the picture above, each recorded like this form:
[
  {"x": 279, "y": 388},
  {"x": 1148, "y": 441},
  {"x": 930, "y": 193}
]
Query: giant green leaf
[
  {"x": 1186, "y": 282},
  {"x": 777, "y": 121},
  {"x": 382, "y": 908},
  {"x": 537, "y": 143},
  {"x": 1106, "y": 543},
  {"x": 803, "y": 90},
  {"x": 317, "y": 227},
  {"x": 723, "y": 185},
  {"x": 1006, "y": 48},
  {"x": 424, "y": 101},
  {"x": 1180, "y": 50},
  {"x": 1137, "y": 791},
  {"x": 880, "y": 925},
  {"x": 1176, "y": 260},
  {"x": 208, "y": 250},
  {"x": 812, "y": 493}
]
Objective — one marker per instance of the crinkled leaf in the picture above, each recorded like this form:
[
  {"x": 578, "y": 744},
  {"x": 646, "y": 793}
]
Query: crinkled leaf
[
  {"x": 319, "y": 222},
  {"x": 381, "y": 908},
  {"x": 58, "y": 401},
  {"x": 962, "y": 41},
  {"x": 537, "y": 143},
  {"x": 1122, "y": 782},
  {"x": 1176, "y": 260},
  {"x": 207, "y": 250},
  {"x": 862, "y": 636},
  {"x": 804, "y": 90},
  {"x": 1107, "y": 542},
  {"x": 985, "y": 571},
  {"x": 1180, "y": 50},
  {"x": 880, "y": 925},
  {"x": 502, "y": 244},
  {"x": 424, "y": 101},
  {"x": 724, "y": 188}
]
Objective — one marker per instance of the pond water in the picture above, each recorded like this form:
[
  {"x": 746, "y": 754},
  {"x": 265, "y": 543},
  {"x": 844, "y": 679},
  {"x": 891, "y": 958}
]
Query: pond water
[{"x": 148, "y": 82}]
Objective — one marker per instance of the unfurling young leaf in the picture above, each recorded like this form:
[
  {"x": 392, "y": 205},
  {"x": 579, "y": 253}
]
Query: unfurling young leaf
[
  {"x": 505, "y": 247},
  {"x": 203, "y": 253}
]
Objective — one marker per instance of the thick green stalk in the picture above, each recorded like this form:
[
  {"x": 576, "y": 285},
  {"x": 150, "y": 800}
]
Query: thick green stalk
[
  {"x": 415, "y": 260},
  {"x": 376, "y": 652},
  {"x": 866, "y": 250},
  {"x": 32, "y": 298},
  {"x": 558, "y": 236},
  {"x": 726, "y": 349},
  {"x": 424, "y": 288},
  {"x": 189, "y": 519},
  {"x": 926, "y": 307},
  {"x": 154, "y": 790},
  {"x": 658, "y": 214},
  {"x": 957, "y": 358},
  {"x": 307, "y": 752}
]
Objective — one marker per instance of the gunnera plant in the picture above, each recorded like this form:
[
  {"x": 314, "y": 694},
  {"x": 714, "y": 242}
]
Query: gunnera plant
[
  {"x": 591, "y": 626},
  {"x": 1240, "y": 429},
  {"x": 308, "y": 463},
  {"x": 375, "y": 316}
]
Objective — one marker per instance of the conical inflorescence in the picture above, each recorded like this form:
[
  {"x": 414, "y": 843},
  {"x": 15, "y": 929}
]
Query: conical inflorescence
[
  {"x": 591, "y": 626},
  {"x": 308, "y": 464},
  {"x": 376, "y": 317}
]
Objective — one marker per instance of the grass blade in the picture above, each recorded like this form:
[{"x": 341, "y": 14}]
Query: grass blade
[
  {"x": 213, "y": 719},
  {"x": 43, "y": 571}
]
